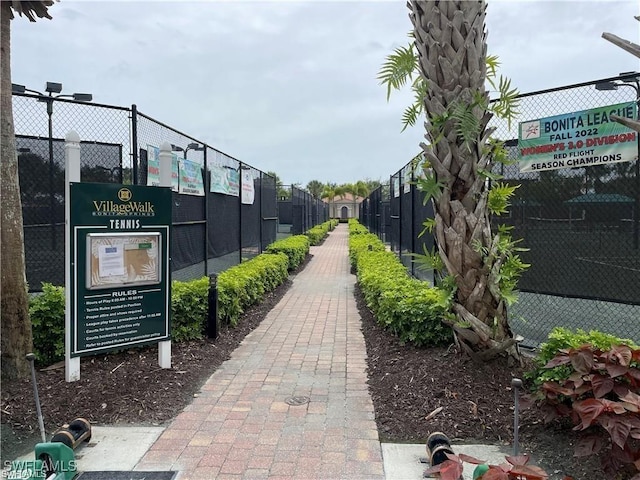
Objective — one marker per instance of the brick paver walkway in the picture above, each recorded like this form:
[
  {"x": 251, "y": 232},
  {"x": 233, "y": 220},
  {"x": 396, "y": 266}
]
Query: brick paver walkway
[{"x": 310, "y": 345}]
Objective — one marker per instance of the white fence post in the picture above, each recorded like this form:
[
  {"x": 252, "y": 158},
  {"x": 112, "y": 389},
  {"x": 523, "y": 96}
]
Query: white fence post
[
  {"x": 165, "y": 159},
  {"x": 71, "y": 174}
]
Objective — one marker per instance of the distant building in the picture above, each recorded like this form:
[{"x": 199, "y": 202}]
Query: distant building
[{"x": 344, "y": 206}]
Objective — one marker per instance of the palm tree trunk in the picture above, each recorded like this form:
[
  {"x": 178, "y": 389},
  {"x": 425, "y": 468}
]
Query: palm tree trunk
[
  {"x": 16, "y": 336},
  {"x": 450, "y": 40}
]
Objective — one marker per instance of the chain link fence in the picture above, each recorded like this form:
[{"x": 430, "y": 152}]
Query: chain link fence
[
  {"x": 375, "y": 212},
  {"x": 215, "y": 225},
  {"x": 298, "y": 211},
  {"x": 41, "y": 124},
  {"x": 579, "y": 224}
]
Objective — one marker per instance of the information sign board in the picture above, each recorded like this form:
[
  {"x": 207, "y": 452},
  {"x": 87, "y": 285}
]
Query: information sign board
[{"x": 120, "y": 277}]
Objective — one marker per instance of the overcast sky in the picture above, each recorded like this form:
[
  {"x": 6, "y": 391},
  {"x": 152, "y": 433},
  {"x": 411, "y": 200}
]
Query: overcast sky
[{"x": 291, "y": 87}]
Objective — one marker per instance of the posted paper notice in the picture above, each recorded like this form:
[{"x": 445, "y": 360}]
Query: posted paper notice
[{"x": 111, "y": 261}]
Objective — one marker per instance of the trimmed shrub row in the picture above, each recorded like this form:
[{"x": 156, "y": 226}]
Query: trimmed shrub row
[
  {"x": 410, "y": 308},
  {"x": 296, "y": 248},
  {"x": 360, "y": 242},
  {"x": 238, "y": 288},
  {"x": 189, "y": 308},
  {"x": 245, "y": 284},
  {"x": 317, "y": 233}
]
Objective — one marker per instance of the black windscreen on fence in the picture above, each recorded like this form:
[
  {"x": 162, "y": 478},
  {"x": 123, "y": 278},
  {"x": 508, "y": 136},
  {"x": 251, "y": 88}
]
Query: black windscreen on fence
[
  {"x": 187, "y": 208},
  {"x": 224, "y": 229},
  {"x": 188, "y": 249},
  {"x": 118, "y": 145},
  {"x": 422, "y": 211},
  {"x": 269, "y": 209},
  {"x": 285, "y": 215},
  {"x": 406, "y": 218},
  {"x": 41, "y": 172},
  {"x": 394, "y": 213},
  {"x": 250, "y": 223},
  {"x": 579, "y": 244}
]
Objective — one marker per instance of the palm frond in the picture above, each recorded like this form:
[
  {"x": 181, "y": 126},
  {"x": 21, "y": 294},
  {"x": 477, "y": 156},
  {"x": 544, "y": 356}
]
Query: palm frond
[
  {"x": 467, "y": 124},
  {"x": 410, "y": 115},
  {"x": 399, "y": 67},
  {"x": 430, "y": 186},
  {"x": 428, "y": 260},
  {"x": 507, "y": 104},
  {"x": 32, "y": 9},
  {"x": 492, "y": 64},
  {"x": 499, "y": 195}
]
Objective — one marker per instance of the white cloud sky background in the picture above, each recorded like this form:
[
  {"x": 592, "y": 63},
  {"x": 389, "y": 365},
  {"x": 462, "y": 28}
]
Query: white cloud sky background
[{"x": 291, "y": 87}]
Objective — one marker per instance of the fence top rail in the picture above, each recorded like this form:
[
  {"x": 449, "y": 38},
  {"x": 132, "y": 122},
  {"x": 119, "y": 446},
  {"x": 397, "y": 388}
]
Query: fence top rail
[
  {"x": 162, "y": 124},
  {"x": 626, "y": 76},
  {"x": 130, "y": 109},
  {"x": 204, "y": 144},
  {"x": 71, "y": 100}
]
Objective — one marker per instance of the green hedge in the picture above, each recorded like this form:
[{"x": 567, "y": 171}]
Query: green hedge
[
  {"x": 317, "y": 233},
  {"x": 361, "y": 242},
  {"x": 238, "y": 288},
  {"x": 410, "y": 308},
  {"x": 356, "y": 228},
  {"x": 189, "y": 308},
  {"x": 245, "y": 284},
  {"x": 296, "y": 248},
  {"x": 47, "y": 318}
]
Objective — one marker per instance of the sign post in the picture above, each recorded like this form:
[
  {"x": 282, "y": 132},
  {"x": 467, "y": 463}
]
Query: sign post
[
  {"x": 118, "y": 283},
  {"x": 72, "y": 174}
]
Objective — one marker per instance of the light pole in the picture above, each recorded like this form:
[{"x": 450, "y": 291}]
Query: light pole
[
  {"x": 51, "y": 88},
  {"x": 176, "y": 148},
  {"x": 630, "y": 79}
]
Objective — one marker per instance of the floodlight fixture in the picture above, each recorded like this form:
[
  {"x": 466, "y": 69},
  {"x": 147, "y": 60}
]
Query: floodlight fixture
[
  {"x": 83, "y": 97},
  {"x": 17, "y": 88},
  {"x": 606, "y": 86},
  {"x": 53, "y": 87},
  {"x": 176, "y": 148},
  {"x": 195, "y": 146}
]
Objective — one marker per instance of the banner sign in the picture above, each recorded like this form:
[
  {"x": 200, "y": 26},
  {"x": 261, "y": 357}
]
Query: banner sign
[
  {"x": 224, "y": 180},
  {"x": 120, "y": 275},
  {"x": 407, "y": 178},
  {"x": 191, "y": 182},
  {"x": 248, "y": 192},
  {"x": 186, "y": 176},
  {"x": 578, "y": 139}
]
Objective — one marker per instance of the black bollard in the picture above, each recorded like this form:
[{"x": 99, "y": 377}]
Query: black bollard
[{"x": 212, "y": 317}]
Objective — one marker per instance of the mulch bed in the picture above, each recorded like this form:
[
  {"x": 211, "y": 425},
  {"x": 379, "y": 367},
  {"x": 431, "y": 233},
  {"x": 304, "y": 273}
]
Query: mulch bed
[
  {"x": 474, "y": 403},
  {"x": 408, "y": 384}
]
